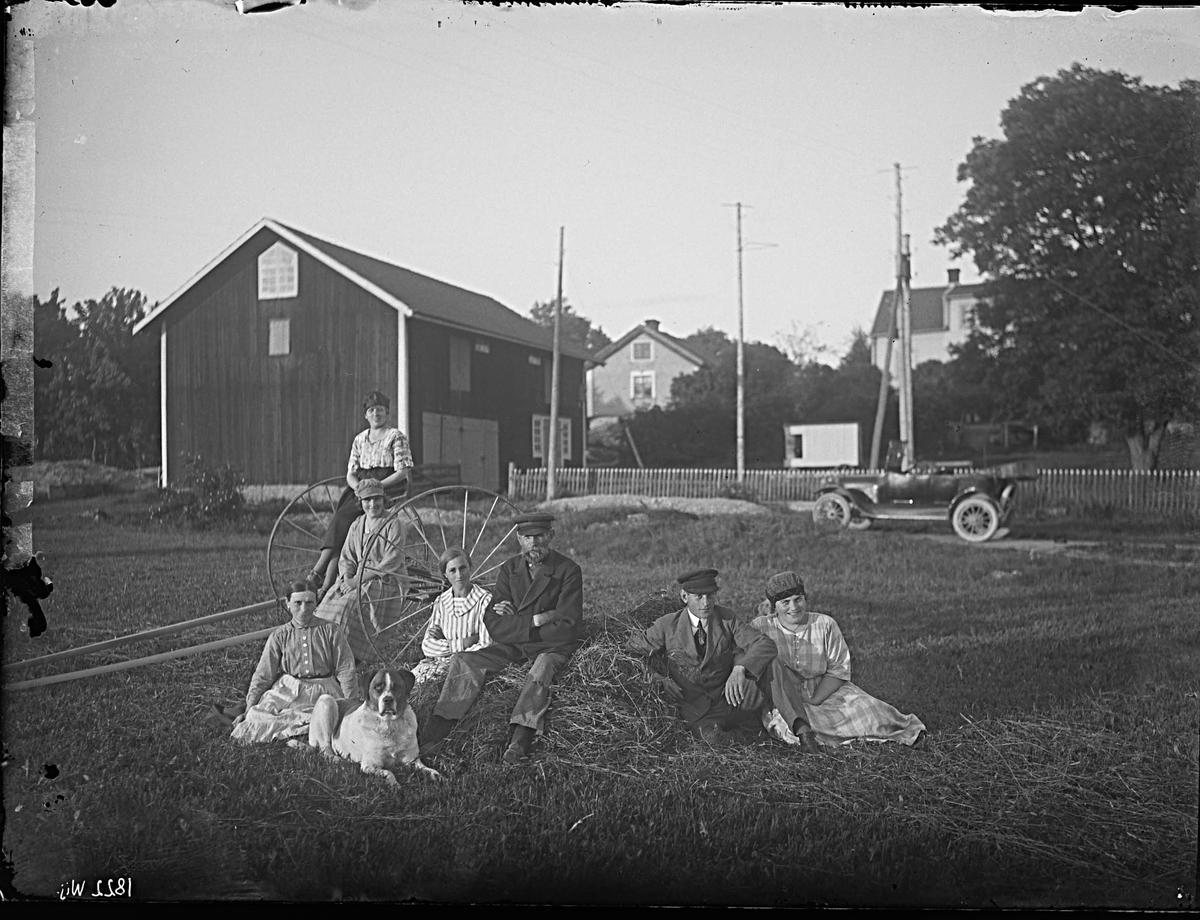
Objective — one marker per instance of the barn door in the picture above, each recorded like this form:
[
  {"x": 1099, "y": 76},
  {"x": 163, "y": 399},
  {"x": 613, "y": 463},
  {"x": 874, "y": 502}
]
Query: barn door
[{"x": 472, "y": 443}]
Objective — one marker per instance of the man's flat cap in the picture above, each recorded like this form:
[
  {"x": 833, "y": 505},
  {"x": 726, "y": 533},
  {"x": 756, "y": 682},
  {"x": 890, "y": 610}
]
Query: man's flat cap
[
  {"x": 701, "y": 581},
  {"x": 534, "y": 523}
]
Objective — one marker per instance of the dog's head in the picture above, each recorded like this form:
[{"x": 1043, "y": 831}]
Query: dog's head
[{"x": 387, "y": 692}]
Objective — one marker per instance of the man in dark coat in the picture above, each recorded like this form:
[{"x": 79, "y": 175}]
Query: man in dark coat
[
  {"x": 717, "y": 667},
  {"x": 536, "y": 615}
]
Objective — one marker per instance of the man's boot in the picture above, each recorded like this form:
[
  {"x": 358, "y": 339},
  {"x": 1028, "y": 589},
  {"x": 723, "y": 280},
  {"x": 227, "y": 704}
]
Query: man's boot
[{"x": 522, "y": 743}]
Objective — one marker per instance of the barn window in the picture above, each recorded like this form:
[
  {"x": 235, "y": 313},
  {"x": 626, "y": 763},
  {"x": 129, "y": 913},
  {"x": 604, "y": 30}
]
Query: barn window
[
  {"x": 277, "y": 272},
  {"x": 641, "y": 385},
  {"x": 541, "y": 433},
  {"x": 643, "y": 351},
  {"x": 483, "y": 348},
  {"x": 460, "y": 364},
  {"x": 279, "y": 337}
]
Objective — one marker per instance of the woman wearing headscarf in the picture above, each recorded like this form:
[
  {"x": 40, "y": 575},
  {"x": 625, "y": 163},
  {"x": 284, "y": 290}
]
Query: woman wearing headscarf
[
  {"x": 814, "y": 703},
  {"x": 371, "y": 571}
]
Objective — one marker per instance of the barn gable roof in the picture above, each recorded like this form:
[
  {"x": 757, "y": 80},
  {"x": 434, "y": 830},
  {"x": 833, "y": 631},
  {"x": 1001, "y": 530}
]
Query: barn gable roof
[
  {"x": 677, "y": 345},
  {"x": 406, "y": 291},
  {"x": 927, "y": 315}
]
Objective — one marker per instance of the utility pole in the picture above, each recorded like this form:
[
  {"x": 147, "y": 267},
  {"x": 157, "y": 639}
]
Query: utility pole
[
  {"x": 907, "y": 429},
  {"x": 552, "y": 448},
  {"x": 893, "y": 320},
  {"x": 741, "y": 362}
]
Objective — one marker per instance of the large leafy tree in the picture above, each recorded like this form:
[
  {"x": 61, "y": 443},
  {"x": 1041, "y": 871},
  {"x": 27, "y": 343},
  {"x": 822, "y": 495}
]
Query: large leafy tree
[
  {"x": 95, "y": 386},
  {"x": 575, "y": 329},
  {"x": 1085, "y": 218}
]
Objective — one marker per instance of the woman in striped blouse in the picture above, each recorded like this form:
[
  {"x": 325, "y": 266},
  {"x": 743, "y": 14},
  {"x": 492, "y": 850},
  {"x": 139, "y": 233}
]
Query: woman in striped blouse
[
  {"x": 380, "y": 452},
  {"x": 456, "y": 624}
]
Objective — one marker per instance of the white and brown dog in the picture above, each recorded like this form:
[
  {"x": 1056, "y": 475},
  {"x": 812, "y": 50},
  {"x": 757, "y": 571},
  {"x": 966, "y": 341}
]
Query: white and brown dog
[{"x": 380, "y": 734}]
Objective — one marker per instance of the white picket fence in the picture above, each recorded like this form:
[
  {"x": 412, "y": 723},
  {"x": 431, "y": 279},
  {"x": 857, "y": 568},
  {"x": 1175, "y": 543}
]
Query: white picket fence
[{"x": 1159, "y": 494}]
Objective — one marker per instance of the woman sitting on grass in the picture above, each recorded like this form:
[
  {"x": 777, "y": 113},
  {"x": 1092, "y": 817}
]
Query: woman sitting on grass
[
  {"x": 380, "y": 452},
  {"x": 814, "y": 702},
  {"x": 373, "y": 560},
  {"x": 456, "y": 624},
  {"x": 301, "y": 660}
]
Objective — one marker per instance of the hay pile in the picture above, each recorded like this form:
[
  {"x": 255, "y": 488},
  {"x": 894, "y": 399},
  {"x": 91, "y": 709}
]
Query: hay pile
[{"x": 1073, "y": 794}]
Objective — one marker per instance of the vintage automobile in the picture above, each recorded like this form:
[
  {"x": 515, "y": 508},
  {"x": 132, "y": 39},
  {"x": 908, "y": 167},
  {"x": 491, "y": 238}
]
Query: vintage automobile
[{"x": 976, "y": 502}]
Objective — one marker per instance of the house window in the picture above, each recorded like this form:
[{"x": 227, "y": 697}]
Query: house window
[
  {"x": 541, "y": 434},
  {"x": 641, "y": 385},
  {"x": 279, "y": 337},
  {"x": 460, "y": 364},
  {"x": 798, "y": 446},
  {"x": 643, "y": 351},
  {"x": 968, "y": 315},
  {"x": 277, "y": 272}
]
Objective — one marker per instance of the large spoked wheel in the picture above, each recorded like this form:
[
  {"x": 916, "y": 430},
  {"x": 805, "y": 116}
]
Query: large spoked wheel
[
  {"x": 401, "y": 572},
  {"x": 295, "y": 542},
  {"x": 832, "y": 511},
  {"x": 976, "y": 519}
]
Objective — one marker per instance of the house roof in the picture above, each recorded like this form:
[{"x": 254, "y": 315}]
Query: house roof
[
  {"x": 669, "y": 341},
  {"x": 927, "y": 314},
  {"x": 408, "y": 292}
]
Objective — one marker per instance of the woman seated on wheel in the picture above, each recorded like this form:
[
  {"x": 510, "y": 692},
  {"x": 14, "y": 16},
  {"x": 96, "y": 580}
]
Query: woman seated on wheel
[
  {"x": 381, "y": 452},
  {"x": 456, "y": 624},
  {"x": 373, "y": 580},
  {"x": 814, "y": 703},
  {"x": 301, "y": 660}
]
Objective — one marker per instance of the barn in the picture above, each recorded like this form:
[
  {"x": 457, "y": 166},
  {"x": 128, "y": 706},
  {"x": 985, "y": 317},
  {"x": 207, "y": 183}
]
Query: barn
[{"x": 267, "y": 352}]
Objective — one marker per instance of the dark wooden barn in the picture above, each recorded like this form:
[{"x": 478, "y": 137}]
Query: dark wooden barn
[{"x": 268, "y": 351}]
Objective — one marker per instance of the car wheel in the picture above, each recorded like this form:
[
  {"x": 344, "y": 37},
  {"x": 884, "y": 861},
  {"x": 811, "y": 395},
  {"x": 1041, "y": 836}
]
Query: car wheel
[
  {"x": 831, "y": 510},
  {"x": 858, "y": 522},
  {"x": 976, "y": 519}
]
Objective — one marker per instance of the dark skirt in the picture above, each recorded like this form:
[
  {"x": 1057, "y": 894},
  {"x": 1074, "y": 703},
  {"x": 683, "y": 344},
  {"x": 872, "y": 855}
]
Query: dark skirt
[{"x": 348, "y": 509}]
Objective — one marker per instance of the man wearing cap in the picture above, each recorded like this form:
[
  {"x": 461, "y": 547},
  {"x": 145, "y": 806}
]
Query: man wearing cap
[
  {"x": 536, "y": 615},
  {"x": 714, "y": 662}
]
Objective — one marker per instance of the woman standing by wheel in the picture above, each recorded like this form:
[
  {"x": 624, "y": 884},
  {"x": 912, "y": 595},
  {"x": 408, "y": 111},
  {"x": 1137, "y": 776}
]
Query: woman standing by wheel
[{"x": 381, "y": 452}]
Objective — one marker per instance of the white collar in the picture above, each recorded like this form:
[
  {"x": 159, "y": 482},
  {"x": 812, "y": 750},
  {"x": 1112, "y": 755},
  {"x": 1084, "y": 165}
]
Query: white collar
[{"x": 696, "y": 620}]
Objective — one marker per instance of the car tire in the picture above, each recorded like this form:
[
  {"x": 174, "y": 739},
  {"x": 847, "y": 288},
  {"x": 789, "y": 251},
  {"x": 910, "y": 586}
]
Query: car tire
[
  {"x": 858, "y": 522},
  {"x": 831, "y": 509},
  {"x": 976, "y": 519}
]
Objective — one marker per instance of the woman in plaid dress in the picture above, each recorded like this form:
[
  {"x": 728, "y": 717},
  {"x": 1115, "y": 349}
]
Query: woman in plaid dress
[{"x": 814, "y": 703}]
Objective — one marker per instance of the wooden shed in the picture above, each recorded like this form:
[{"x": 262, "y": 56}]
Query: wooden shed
[{"x": 267, "y": 353}]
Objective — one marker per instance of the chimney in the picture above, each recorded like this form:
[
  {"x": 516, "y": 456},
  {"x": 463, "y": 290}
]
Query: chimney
[
  {"x": 952, "y": 276},
  {"x": 651, "y": 324}
]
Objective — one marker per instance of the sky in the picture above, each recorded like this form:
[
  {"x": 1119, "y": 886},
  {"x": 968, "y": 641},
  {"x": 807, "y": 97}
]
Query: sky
[{"x": 456, "y": 140}]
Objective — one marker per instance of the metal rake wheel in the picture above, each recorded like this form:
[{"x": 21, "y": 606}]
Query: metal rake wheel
[
  {"x": 395, "y": 606},
  {"x": 294, "y": 545}
]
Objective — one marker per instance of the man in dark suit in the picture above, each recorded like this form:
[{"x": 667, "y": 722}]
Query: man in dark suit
[
  {"x": 716, "y": 666},
  {"x": 536, "y": 614}
]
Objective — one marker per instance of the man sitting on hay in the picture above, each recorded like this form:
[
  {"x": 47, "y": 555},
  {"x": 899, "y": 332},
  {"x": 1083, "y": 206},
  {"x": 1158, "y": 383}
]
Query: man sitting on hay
[
  {"x": 536, "y": 616},
  {"x": 715, "y": 665}
]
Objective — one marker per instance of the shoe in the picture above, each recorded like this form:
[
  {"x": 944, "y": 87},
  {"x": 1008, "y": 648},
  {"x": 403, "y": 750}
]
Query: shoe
[
  {"x": 437, "y": 729},
  {"x": 522, "y": 743},
  {"x": 809, "y": 744}
]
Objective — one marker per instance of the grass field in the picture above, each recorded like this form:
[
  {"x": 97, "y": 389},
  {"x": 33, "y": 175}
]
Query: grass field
[{"x": 1062, "y": 696}]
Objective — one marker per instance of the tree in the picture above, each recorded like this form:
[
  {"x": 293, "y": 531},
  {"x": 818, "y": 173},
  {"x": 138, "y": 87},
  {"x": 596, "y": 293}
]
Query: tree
[
  {"x": 95, "y": 386},
  {"x": 575, "y": 329},
  {"x": 1084, "y": 217}
]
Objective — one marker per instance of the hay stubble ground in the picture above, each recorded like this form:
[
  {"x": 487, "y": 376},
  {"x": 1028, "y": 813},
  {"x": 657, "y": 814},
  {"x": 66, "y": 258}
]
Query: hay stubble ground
[{"x": 1060, "y": 768}]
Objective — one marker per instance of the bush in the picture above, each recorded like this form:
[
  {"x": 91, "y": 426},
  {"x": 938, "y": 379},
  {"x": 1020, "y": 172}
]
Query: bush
[{"x": 208, "y": 497}]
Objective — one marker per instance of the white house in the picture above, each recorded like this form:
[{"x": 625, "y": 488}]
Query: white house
[{"x": 941, "y": 317}]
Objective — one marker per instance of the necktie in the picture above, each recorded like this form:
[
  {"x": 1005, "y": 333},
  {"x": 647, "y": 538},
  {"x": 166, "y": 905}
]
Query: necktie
[{"x": 701, "y": 640}]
